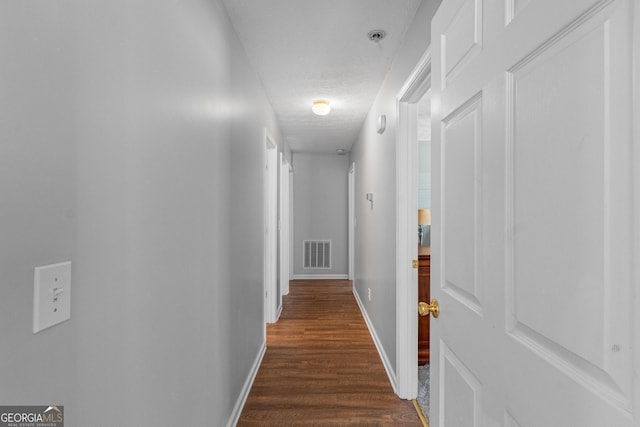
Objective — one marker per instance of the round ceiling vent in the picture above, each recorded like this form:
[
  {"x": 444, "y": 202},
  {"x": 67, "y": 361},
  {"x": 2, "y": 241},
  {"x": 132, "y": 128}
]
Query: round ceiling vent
[{"x": 376, "y": 35}]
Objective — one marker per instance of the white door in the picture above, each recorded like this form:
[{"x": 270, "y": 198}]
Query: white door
[
  {"x": 271, "y": 296},
  {"x": 532, "y": 249},
  {"x": 284, "y": 226},
  {"x": 352, "y": 219}
]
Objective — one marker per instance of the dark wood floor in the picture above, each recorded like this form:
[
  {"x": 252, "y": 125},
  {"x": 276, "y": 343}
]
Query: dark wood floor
[{"x": 321, "y": 366}]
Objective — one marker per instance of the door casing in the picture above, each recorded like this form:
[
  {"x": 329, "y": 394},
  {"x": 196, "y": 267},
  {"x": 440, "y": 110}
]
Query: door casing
[
  {"x": 284, "y": 228},
  {"x": 352, "y": 220},
  {"x": 418, "y": 83},
  {"x": 271, "y": 294}
]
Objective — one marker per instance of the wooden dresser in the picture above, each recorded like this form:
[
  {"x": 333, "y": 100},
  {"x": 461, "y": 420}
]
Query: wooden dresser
[{"x": 424, "y": 279}]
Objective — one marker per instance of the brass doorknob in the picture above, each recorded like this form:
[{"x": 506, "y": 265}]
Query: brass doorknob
[{"x": 424, "y": 309}]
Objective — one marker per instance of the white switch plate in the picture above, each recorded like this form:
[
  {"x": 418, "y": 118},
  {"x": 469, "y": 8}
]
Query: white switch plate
[{"x": 51, "y": 295}]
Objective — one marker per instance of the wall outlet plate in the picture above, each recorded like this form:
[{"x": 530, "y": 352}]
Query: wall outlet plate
[{"x": 51, "y": 295}]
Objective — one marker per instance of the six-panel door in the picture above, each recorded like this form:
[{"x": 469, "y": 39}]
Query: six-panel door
[{"x": 533, "y": 212}]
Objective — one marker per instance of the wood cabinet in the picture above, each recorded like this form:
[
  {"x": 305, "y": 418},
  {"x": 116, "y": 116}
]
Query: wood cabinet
[{"x": 424, "y": 280}]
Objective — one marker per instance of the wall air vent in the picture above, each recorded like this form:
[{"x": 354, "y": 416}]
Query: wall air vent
[{"x": 316, "y": 254}]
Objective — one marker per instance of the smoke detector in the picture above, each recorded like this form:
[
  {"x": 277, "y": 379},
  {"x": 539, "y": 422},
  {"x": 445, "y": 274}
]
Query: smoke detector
[{"x": 376, "y": 35}]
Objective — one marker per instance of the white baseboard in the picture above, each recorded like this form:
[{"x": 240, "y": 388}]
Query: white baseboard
[
  {"x": 244, "y": 394},
  {"x": 383, "y": 355},
  {"x": 320, "y": 276}
]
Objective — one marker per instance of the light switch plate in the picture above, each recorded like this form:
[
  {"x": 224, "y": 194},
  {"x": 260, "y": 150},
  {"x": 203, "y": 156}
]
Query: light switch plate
[{"x": 51, "y": 295}]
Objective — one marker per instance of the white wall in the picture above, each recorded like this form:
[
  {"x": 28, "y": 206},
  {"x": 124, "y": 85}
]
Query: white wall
[
  {"x": 320, "y": 197},
  {"x": 375, "y": 156},
  {"x": 132, "y": 146},
  {"x": 37, "y": 216}
]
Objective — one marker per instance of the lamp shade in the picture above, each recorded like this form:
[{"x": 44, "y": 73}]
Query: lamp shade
[{"x": 424, "y": 217}]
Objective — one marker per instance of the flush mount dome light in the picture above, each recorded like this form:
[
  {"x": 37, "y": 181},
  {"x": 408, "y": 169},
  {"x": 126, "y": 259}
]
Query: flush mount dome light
[{"x": 321, "y": 107}]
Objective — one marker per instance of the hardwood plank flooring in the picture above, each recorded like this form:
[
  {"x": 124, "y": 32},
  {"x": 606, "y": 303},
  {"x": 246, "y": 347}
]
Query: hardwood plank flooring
[{"x": 321, "y": 367}]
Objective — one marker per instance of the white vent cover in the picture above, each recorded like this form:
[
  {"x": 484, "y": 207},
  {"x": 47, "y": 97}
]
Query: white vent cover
[{"x": 316, "y": 253}]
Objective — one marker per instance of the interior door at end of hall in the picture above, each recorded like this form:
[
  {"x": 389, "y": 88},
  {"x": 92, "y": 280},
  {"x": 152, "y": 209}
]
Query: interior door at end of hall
[{"x": 532, "y": 213}]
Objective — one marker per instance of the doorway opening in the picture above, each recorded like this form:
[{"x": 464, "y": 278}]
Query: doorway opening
[
  {"x": 271, "y": 291},
  {"x": 409, "y": 99},
  {"x": 352, "y": 221},
  {"x": 424, "y": 246},
  {"x": 284, "y": 226}
]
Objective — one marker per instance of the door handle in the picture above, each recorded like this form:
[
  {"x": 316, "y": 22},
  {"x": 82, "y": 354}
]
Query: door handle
[{"x": 424, "y": 309}]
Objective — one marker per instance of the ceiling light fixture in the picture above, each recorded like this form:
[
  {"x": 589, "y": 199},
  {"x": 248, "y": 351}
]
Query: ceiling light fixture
[{"x": 321, "y": 107}]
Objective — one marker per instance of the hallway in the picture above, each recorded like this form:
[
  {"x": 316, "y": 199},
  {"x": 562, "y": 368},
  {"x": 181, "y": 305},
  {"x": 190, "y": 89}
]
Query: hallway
[
  {"x": 321, "y": 366},
  {"x": 151, "y": 147}
]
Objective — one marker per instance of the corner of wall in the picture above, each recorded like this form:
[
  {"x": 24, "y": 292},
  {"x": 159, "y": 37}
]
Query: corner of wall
[{"x": 375, "y": 251}]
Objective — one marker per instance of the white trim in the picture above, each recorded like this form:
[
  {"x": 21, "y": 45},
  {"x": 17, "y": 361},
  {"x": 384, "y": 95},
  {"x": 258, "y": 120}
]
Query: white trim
[
  {"x": 418, "y": 82},
  {"x": 291, "y": 220},
  {"x": 284, "y": 227},
  {"x": 270, "y": 237},
  {"x": 320, "y": 276},
  {"x": 415, "y": 87},
  {"x": 246, "y": 388},
  {"x": 636, "y": 212},
  {"x": 351, "y": 182},
  {"x": 376, "y": 340}
]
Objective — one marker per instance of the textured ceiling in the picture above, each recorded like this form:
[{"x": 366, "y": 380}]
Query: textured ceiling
[{"x": 318, "y": 49}]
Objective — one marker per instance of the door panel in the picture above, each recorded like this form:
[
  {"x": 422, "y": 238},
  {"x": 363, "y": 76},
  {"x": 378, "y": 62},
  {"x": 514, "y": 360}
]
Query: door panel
[
  {"x": 571, "y": 186},
  {"x": 462, "y": 40},
  {"x": 562, "y": 256},
  {"x": 514, "y": 7},
  {"x": 533, "y": 213},
  {"x": 461, "y": 142},
  {"x": 462, "y": 391}
]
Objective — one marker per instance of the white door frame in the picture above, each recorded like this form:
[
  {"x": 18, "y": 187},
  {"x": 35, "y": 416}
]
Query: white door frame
[
  {"x": 291, "y": 220},
  {"x": 636, "y": 183},
  {"x": 352, "y": 220},
  {"x": 270, "y": 227},
  {"x": 285, "y": 174},
  {"x": 413, "y": 90}
]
